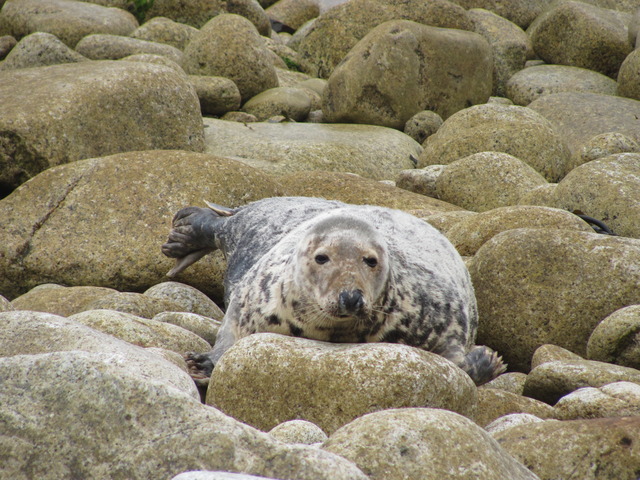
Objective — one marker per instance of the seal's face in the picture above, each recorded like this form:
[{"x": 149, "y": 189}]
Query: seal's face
[{"x": 342, "y": 270}]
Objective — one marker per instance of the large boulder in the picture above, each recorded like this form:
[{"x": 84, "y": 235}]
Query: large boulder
[
  {"x": 61, "y": 113},
  {"x": 401, "y": 68},
  {"x": 616, "y": 339},
  {"x": 550, "y": 286},
  {"x": 265, "y": 379},
  {"x": 38, "y": 50},
  {"x": 230, "y": 46},
  {"x": 165, "y": 30},
  {"x": 101, "y": 46},
  {"x": 629, "y": 76},
  {"x": 518, "y": 131},
  {"x": 68, "y": 20},
  {"x": 520, "y": 12},
  {"x": 284, "y": 148},
  {"x": 337, "y": 30},
  {"x": 69, "y": 225},
  {"x": 423, "y": 444},
  {"x": 77, "y": 414}
]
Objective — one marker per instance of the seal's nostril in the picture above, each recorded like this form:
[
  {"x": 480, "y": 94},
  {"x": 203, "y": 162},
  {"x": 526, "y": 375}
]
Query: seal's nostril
[{"x": 351, "y": 300}]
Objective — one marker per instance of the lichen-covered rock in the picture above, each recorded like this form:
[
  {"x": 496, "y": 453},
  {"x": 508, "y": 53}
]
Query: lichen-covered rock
[
  {"x": 293, "y": 103},
  {"x": 485, "y": 181},
  {"x": 629, "y": 76},
  {"x": 298, "y": 431},
  {"x": 494, "y": 403},
  {"x": 425, "y": 444},
  {"x": 265, "y": 379},
  {"x": 205, "y": 327},
  {"x": 604, "y": 145},
  {"x": 599, "y": 449},
  {"x": 606, "y": 189},
  {"x": 512, "y": 382},
  {"x": 157, "y": 60},
  {"x": 616, "y": 339},
  {"x": 517, "y": 131},
  {"x": 512, "y": 420},
  {"x": 293, "y": 13},
  {"x": 230, "y": 46},
  {"x": 283, "y": 148},
  {"x": 422, "y": 125},
  {"x": 533, "y": 82},
  {"x": 70, "y": 226},
  {"x": 59, "y": 300},
  {"x": 7, "y": 42},
  {"x": 420, "y": 180},
  {"x": 552, "y": 353},
  {"x": 618, "y": 399},
  {"x": 132, "y": 303},
  {"x": 553, "y": 380},
  {"x": 66, "y": 19},
  {"x": 401, "y": 68},
  {"x": 113, "y": 47},
  {"x": 143, "y": 332},
  {"x": 31, "y": 333},
  {"x": 336, "y": 31},
  {"x": 6, "y": 305},
  {"x": 470, "y": 233},
  {"x": 187, "y": 298},
  {"x": 81, "y": 411},
  {"x": 578, "y": 117},
  {"x": 156, "y": 108},
  {"x": 39, "y": 49},
  {"x": 596, "y": 40},
  {"x": 165, "y": 30},
  {"x": 527, "y": 294},
  {"x": 218, "y": 95},
  {"x": 509, "y": 44},
  {"x": 520, "y": 12}
]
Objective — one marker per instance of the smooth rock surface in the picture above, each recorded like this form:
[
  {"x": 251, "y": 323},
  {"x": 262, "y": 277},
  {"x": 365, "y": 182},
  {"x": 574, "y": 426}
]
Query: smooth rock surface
[
  {"x": 298, "y": 431},
  {"x": 616, "y": 339},
  {"x": 494, "y": 403},
  {"x": 293, "y": 103},
  {"x": 265, "y": 379},
  {"x": 37, "y": 50},
  {"x": 618, "y": 399},
  {"x": 218, "y": 95},
  {"x": 205, "y": 327},
  {"x": 165, "y": 30},
  {"x": 187, "y": 298},
  {"x": 114, "y": 47},
  {"x": 629, "y": 76},
  {"x": 59, "y": 300}
]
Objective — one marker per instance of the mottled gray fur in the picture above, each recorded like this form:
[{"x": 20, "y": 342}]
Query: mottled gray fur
[{"x": 413, "y": 287}]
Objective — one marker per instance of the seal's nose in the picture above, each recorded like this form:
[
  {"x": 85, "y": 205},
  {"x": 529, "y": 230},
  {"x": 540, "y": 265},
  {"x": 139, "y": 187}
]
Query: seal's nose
[{"x": 350, "y": 301}]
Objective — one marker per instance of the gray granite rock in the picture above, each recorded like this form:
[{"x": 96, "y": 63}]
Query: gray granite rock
[
  {"x": 616, "y": 339},
  {"x": 39, "y": 49}
]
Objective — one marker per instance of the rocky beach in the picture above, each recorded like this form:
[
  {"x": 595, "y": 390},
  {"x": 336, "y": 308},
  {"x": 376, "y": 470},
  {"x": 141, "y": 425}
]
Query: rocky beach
[{"x": 511, "y": 127}]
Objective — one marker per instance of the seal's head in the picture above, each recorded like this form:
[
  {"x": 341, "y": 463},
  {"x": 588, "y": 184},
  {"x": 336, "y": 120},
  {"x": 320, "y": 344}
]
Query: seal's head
[{"x": 342, "y": 269}]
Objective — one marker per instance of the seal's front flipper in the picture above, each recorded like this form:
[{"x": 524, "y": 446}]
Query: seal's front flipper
[
  {"x": 192, "y": 236},
  {"x": 483, "y": 364},
  {"x": 200, "y": 367}
]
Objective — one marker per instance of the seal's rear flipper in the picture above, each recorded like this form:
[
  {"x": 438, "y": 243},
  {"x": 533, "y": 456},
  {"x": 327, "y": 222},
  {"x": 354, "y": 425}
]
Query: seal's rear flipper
[{"x": 483, "y": 364}]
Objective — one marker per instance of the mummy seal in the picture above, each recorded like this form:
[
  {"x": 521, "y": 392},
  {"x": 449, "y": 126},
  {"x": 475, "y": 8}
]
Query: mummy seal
[{"x": 334, "y": 272}]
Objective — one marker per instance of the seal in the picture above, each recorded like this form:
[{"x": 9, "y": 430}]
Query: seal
[{"x": 331, "y": 271}]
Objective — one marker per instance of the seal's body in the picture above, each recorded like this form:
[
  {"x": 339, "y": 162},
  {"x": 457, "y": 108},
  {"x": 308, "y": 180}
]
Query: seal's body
[{"x": 335, "y": 272}]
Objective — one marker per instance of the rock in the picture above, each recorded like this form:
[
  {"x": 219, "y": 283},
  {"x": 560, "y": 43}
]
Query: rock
[
  {"x": 5, "y": 305},
  {"x": 114, "y": 47},
  {"x": 597, "y": 449},
  {"x": 629, "y": 76},
  {"x": 31, "y": 333},
  {"x": 354, "y": 189},
  {"x": 517, "y": 131},
  {"x": 494, "y": 403},
  {"x": 230, "y": 46},
  {"x": 520, "y": 12},
  {"x": 59, "y": 220},
  {"x": 552, "y": 353},
  {"x": 509, "y": 44},
  {"x": 618, "y": 399},
  {"x": 7, "y": 42},
  {"x": 578, "y": 117},
  {"x": 198, "y": 13},
  {"x": 336, "y": 31},
  {"x": 616, "y": 339},
  {"x": 83, "y": 412},
  {"x": 132, "y": 303},
  {"x": 538, "y": 195},
  {"x": 293, "y": 103},
  {"x": 512, "y": 382},
  {"x": 470, "y": 233},
  {"x": 525, "y": 274},
  {"x": 444, "y": 221},
  {"x": 509, "y": 421},
  {"x": 423, "y": 443},
  {"x": 187, "y": 298},
  {"x": 531, "y": 83},
  {"x": 293, "y": 13},
  {"x": 165, "y": 30},
  {"x": 401, "y": 68},
  {"x": 68, "y": 20},
  {"x": 156, "y": 108},
  {"x": 205, "y": 327},
  {"x": 422, "y": 125},
  {"x": 370, "y": 151},
  {"x": 553, "y": 380},
  {"x": 157, "y": 60},
  {"x": 420, "y": 180},
  {"x": 596, "y": 40},
  {"x": 143, "y": 332},
  {"x": 218, "y": 95},
  {"x": 205, "y": 475},
  {"x": 37, "y": 50},
  {"x": 485, "y": 181},
  {"x": 59, "y": 300},
  {"x": 369, "y": 377},
  {"x": 298, "y": 431},
  {"x": 241, "y": 117},
  {"x": 605, "y": 189},
  {"x": 604, "y": 145}
]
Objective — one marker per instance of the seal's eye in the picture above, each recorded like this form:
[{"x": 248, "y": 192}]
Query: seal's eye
[
  {"x": 321, "y": 259},
  {"x": 371, "y": 261}
]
